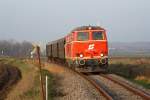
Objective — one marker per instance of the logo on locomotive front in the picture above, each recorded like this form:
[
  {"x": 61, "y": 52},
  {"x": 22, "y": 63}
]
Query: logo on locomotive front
[{"x": 91, "y": 46}]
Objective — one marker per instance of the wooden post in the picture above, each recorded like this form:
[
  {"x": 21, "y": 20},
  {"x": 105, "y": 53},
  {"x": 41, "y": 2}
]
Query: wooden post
[
  {"x": 46, "y": 87},
  {"x": 40, "y": 69}
]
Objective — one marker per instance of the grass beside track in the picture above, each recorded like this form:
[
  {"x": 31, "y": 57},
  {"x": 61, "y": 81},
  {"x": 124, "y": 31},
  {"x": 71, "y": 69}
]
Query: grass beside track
[
  {"x": 21, "y": 89},
  {"x": 51, "y": 89},
  {"x": 28, "y": 88},
  {"x": 136, "y": 70},
  {"x": 145, "y": 83}
]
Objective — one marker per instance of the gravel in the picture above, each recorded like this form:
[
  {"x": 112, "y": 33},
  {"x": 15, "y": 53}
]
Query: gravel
[
  {"x": 71, "y": 86},
  {"x": 118, "y": 92},
  {"x": 130, "y": 83}
]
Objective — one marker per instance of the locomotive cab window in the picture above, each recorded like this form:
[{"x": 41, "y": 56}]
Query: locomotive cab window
[
  {"x": 98, "y": 36},
  {"x": 82, "y": 36}
]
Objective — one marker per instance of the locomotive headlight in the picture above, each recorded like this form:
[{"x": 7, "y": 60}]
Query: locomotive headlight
[
  {"x": 90, "y": 28},
  {"x": 102, "y": 54},
  {"x": 81, "y": 55}
]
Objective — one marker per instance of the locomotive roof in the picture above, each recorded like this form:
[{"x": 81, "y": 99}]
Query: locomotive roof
[{"x": 87, "y": 28}]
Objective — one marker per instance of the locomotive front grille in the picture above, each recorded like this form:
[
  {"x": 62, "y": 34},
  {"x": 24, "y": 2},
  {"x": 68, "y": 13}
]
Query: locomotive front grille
[{"x": 92, "y": 62}]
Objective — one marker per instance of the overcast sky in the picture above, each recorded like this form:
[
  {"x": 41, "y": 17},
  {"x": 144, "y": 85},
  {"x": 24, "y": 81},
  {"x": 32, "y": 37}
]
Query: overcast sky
[{"x": 46, "y": 20}]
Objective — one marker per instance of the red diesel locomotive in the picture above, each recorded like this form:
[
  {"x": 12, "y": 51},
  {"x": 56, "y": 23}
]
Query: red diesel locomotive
[{"x": 84, "y": 49}]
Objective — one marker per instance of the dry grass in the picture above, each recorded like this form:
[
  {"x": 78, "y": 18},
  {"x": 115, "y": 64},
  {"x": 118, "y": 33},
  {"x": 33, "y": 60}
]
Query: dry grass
[
  {"x": 9, "y": 76},
  {"x": 24, "y": 87},
  {"x": 130, "y": 60},
  {"x": 133, "y": 66},
  {"x": 1, "y": 69},
  {"x": 28, "y": 87},
  {"x": 137, "y": 69},
  {"x": 53, "y": 68}
]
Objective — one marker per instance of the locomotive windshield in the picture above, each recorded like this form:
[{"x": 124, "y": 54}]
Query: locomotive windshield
[
  {"x": 82, "y": 36},
  {"x": 98, "y": 35}
]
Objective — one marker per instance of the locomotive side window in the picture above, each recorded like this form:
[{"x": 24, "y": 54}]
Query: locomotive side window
[
  {"x": 97, "y": 35},
  {"x": 82, "y": 36}
]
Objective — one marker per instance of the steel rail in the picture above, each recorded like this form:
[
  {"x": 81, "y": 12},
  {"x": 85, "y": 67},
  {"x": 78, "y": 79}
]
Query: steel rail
[
  {"x": 97, "y": 86},
  {"x": 139, "y": 92},
  {"x": 92, "y": 82}
]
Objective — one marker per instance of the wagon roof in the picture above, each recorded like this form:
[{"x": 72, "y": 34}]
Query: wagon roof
[
  {"x": 87, "y": 28},
  {"x": 56, "y": 41}
]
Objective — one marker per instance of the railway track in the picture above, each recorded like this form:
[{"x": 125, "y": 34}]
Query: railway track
[
  {"x": 129, "y": 92},
  {"x": 97, "y": 86},
  {"x": 134, "y": 90},
  {"x": 116, "y": 89},
  {"x": 119, "y": 90}
]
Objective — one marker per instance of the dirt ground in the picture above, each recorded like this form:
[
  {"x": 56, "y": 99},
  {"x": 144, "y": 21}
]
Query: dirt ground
[
  {"x": 27, "y": 88},
  {"x": 8, "y": 77}
]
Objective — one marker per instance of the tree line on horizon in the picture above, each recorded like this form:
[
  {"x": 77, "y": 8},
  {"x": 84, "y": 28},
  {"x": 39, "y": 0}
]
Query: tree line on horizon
[{"x": 13, "y": 48}]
